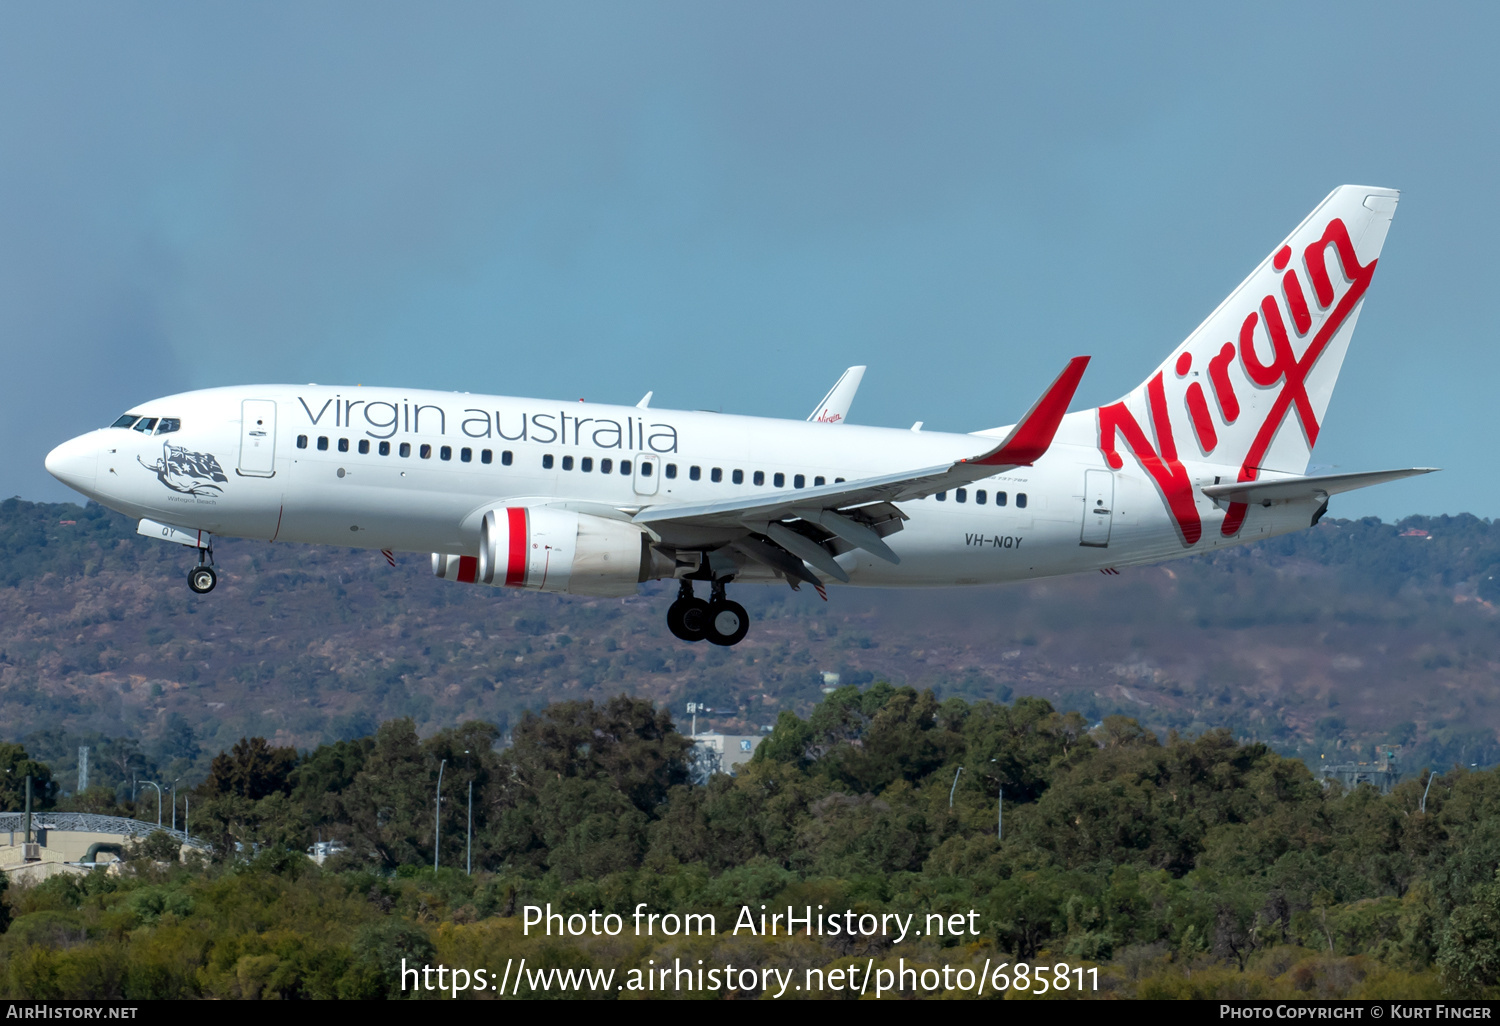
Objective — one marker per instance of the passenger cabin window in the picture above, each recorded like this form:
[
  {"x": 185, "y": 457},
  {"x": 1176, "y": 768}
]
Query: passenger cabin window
[
  {"x": 625, "y": 467},
  {"x": 800, "y": 481},
  {"x": 145, "y": 424},
  {"x": 760, "y": 477},
  {"x": 168, "y": 425},
  {"x": 567, "y": 463},
  {"x": 125, "y": 420},
  {"x": 343, "y": 445},
  {"x": 586, "y": 464},
  {"x": 961, "y": 495},
  {"x": 818, "y": 482},
  {"x": 738, "y": 477},
  {"x": 1020, "y": 500},
  {"x": 607, "y": 466},
  {"x": 445, "y": 453},
  {"x": 941, "y": 496},
  {"x": 1000, "y": 498},
  {"x": 694, "y": 473},
  {"x": 779, "y": 480},
  {"x": 302, "y": 441},
  {"x": 385, "y": 448},
  {"x": 979, "y": 496},
  {"x": 646, "y": 469},
  {"x": 716, "y": 475},
  {"x": 505, "y": 457},
  {"x": 322, "y": 443},
  {"x": 364, "y": 447},
  {"x": 671, "y": 469},
  {"x": 425, "y": 452},
  {"x": 405, "y": 450},
  {"x": 466, "y": 455},
  {"x": 547, "y": 461}
]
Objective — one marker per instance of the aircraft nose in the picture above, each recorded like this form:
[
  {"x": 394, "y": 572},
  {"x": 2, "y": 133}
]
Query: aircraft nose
[{"x": 75, "y": 463}]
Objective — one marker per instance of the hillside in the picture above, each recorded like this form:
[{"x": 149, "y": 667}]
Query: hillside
[{"x": 1330, "y": 641}]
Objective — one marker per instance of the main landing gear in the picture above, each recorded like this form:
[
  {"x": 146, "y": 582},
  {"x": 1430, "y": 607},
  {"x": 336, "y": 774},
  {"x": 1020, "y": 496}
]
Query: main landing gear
[
  {"x": 202, "y": 577},
  {"x": 718, "y": 621}
]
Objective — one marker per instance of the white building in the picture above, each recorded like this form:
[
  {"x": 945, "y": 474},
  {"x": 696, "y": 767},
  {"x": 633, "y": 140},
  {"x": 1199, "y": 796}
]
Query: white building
[{"x": 720, "y": 753}]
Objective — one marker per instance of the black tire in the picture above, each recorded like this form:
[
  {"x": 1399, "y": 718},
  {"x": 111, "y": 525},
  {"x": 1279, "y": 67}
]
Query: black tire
[
  {"x": 202, "y": 579},
  {"x": 727, "y": 623},
  {"x": 687, "y": 618}
]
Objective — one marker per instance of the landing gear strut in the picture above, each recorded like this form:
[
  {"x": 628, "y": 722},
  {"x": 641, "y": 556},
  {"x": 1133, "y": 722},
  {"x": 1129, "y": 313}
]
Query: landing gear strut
[
  {"x": 202, "y": 577},
  {"x": 718, "y": 621}
]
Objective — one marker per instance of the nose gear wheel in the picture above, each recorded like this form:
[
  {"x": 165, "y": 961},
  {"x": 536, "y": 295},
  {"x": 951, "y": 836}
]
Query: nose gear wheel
[{"x": 202, "y": 579}]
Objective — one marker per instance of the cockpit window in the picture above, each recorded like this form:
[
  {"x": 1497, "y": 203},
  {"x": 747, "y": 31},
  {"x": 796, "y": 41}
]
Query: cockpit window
[
  {"x": 167, "y": 425},
  {"x": 145, "y": 424},
  {"x": 125, "y": 421}
]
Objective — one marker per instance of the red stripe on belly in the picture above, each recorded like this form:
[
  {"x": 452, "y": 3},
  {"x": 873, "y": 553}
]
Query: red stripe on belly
[
  {"x": 468, "y": 569},
  {"x": 515, "y": 568}
]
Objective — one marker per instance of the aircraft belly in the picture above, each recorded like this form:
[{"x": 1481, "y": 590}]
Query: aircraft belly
[{"x": 375, "y": 508}]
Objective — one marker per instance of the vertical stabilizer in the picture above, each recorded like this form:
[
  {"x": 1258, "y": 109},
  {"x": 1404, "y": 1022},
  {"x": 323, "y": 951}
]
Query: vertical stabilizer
[
  {"x": 834, "y": 409},
  {"x": 1249, "y": 388}
]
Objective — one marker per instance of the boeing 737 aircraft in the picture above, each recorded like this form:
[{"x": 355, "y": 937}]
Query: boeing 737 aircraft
[{"x": 1210, "y": 450}]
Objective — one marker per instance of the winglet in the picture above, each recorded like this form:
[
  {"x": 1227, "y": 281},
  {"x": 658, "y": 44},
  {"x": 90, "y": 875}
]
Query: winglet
[{"x": 1029, "y": 439}]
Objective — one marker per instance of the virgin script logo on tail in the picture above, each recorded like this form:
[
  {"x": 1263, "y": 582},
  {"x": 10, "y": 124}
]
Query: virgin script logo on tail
[{"x": 1286, "y": 372}]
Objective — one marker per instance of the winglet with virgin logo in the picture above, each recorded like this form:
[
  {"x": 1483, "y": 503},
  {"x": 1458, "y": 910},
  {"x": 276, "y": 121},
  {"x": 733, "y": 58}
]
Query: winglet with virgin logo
[{"x": 1029, "y": 439}]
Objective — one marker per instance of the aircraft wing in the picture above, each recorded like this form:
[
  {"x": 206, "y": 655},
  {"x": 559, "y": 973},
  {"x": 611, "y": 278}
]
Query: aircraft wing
[
  {"x": 834, "y": 409},
  {"x": 1319, "y": 488},
  {"x": 761, "y": 514}
]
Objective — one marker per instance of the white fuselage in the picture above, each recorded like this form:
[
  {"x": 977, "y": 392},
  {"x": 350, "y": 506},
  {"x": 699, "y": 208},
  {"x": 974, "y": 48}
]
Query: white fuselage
[{"x": 300, "y": 475}]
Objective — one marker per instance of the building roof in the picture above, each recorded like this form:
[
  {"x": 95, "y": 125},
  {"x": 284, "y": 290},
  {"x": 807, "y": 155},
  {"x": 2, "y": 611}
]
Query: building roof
[{"x": 88, "y": 822}]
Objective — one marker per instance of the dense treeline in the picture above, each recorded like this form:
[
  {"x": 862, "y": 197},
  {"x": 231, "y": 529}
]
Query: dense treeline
[{"x": 1194, "y": 867}]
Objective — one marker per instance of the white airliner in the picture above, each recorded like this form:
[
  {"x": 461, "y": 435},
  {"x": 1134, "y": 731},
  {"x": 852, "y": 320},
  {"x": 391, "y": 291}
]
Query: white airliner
[{"x": 589, "y": 499}]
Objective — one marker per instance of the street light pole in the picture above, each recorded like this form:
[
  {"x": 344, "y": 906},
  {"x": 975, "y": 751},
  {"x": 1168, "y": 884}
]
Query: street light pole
[
  {"x": 954, "y": 787},
  {"x": 469, "y": 834},
  {"x": 999, "y": 806},
  {"x": 437, "y": 817},
  {"x": 158, "y": 799}
]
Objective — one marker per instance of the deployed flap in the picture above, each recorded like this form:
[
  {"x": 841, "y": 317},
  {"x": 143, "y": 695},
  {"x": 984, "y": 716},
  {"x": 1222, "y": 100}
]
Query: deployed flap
[
  {"x": 1025, "y": 444},
  {"x": 1318, "y": 488},
  {"x": 834, "y": 409}
]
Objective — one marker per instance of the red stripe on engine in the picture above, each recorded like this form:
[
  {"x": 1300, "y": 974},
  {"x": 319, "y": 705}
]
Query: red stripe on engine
[
  {"x": 468, "y": 569},
  {"x": 515, "y": 568}
]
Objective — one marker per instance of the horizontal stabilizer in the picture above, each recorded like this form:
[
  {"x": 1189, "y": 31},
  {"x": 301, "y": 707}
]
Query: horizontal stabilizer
[{"x": 1294, "y": 488}]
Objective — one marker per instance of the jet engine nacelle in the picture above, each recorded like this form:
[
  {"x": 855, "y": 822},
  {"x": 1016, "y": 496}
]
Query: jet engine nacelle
[{"x": 553, "y": 550}]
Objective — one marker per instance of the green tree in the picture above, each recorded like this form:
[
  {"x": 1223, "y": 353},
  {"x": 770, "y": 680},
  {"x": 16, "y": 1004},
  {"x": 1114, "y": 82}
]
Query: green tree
[
  {"x": 388, "y": 807},
  {"x": 1470, "y": 948},
  {"x": 252, "y": 769},
  {"x": 15, "y": 764}
]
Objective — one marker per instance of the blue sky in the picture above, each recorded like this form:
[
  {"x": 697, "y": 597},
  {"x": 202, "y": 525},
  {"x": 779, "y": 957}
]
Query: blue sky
[{"x": 730, "y": 203}]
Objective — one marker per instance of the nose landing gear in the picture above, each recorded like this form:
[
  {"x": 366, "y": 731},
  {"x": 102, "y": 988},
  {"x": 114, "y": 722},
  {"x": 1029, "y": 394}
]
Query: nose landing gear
[
  {"x": 202, "y": 578},
  {"x": 718, "y": 621}
]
